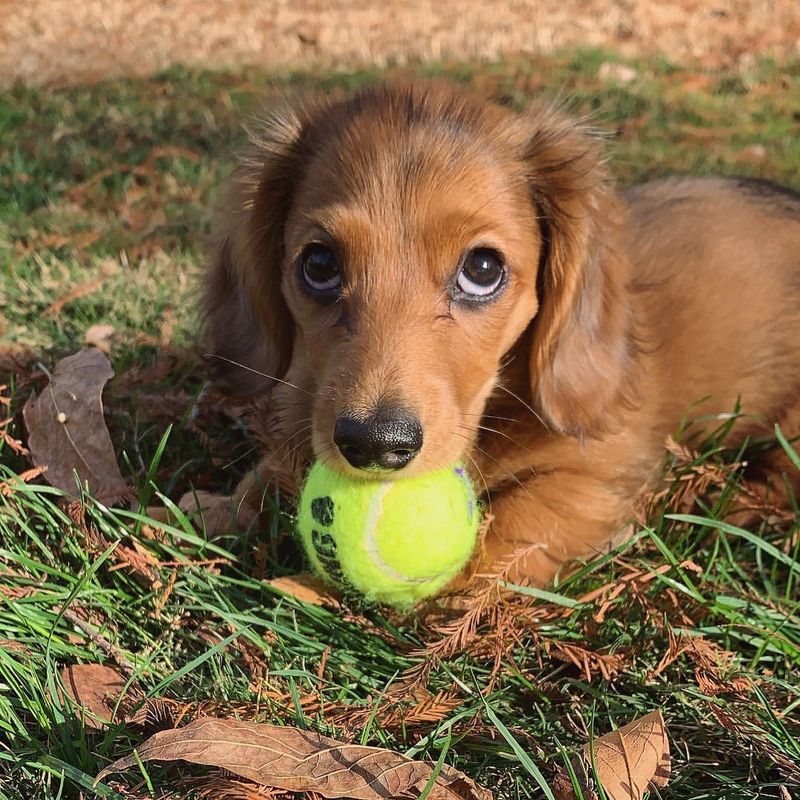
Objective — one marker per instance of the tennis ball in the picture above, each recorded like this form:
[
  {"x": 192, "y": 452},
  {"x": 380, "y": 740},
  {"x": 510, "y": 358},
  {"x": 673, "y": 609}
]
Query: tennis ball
[{"x": 395, "y": 542}]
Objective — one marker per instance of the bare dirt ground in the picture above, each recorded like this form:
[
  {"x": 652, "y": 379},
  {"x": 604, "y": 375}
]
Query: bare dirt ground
[{"x": 67, "y": 41}]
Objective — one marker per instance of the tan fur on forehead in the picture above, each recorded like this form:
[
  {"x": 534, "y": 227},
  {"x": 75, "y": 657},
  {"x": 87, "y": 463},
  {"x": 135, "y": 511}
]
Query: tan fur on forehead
[{"x": 404, "y": 139}]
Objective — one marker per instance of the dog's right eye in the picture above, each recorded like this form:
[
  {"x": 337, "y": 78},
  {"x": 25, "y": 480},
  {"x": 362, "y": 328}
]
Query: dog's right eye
[{"x": 320, "y": 269}]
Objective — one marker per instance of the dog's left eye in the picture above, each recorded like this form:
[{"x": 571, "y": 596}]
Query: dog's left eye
[
  {"x": 481, "y": 274},
  {"x": 320, "y": 269}
]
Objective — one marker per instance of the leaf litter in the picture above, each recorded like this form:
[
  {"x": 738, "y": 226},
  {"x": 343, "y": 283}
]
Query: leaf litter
[{"x": 626, "y": 762}]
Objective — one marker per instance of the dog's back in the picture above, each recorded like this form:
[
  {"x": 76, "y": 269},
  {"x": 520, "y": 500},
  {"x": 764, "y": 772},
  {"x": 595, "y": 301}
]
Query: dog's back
[{"x": 717, "y": 289}]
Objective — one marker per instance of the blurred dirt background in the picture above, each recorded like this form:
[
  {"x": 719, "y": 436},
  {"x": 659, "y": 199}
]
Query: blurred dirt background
[{"x": 67, "y": 41}]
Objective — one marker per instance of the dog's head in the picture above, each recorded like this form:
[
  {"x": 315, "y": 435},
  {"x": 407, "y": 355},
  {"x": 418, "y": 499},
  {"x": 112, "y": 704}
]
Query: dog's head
[{"x": 401, "y": 244}]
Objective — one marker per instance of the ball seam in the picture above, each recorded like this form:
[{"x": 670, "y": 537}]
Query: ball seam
[{"x": 371, "y": 543}]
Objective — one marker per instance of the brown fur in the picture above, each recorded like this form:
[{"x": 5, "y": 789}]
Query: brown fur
[{"x": 622, "y": 311}]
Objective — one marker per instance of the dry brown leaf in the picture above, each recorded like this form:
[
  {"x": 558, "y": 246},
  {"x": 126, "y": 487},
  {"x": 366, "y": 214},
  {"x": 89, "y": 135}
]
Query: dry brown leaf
[
  {"x": 305, "y": 587},
  {"x": 300, "y": 761},
  {"x": 66, "y": 429},
  {"x": 95, "y": 690},
  {"x": 216, "y": 514},
  {"x": 628, "y": 762},
  {"x": 15, "y": 444},
  {"x": 99, "y": 336}
]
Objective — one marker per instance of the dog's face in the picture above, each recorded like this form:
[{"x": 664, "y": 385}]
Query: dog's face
[
  {"x": 408, "y": 275},
  {"x": 399, "y": 245}
]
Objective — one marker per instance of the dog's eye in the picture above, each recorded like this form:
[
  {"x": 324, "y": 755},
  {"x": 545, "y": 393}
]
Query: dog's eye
[
  {"x": 320, "y": 269},
  {"x": 481, "y": 274}
]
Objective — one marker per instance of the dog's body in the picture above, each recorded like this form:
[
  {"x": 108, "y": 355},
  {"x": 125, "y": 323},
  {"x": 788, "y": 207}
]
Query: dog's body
[
  {"x": 435, "y": 278},
  {"x": 715, "y": 297}
]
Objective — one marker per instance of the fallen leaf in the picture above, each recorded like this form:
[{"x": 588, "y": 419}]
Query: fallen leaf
[
  {"x": 305, "y": 587},
  {"x": 99, "y": 336},
  {"x": 628, "y": 762},
  {"x": 7, "y": 488},
  {"x": 300, "y": 761},
  {"x": 66, "y": 429},
  {"x": 215, "y": 514},
  {"x": 95, "y": 690}
]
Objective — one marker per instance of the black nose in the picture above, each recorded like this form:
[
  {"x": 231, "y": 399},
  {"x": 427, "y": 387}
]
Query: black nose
[{"x": 385, "y": 440}]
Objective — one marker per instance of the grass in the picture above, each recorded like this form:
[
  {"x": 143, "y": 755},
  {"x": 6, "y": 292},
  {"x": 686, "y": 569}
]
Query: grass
[{"x": 105, "y": 198}]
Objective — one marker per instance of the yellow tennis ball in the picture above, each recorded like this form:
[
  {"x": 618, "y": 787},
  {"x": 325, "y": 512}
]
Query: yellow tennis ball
[{"x": 393, "y": 541}]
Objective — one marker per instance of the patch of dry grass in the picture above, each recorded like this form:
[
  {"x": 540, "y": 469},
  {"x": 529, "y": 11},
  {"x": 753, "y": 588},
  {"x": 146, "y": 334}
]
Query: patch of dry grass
[{"x": 63, "y": 41}]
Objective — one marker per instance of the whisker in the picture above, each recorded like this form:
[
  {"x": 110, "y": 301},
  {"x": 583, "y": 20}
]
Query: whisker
[
  {"x": 499, "y": 433},
  {"x": 483, "y": 481},
  {"x": 517, "y": 397},
  {"x": 490, "y": 416},
  {"x": 262, "y": 374},
  {"x": 239, "y": 458},
  {"x": 302, "y": 430},
  {"x": 326, "y": 450},
  {"x": 505, "y": 473},
  {"x": 508, "y": 474},
  {"x": 304, "y": 420},
  {"x": 306, "y": 440},
  {"x": 302, "y": 442}
]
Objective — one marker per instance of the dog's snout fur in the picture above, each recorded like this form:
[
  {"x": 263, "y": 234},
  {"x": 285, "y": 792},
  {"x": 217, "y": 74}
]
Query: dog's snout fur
[{"x": 617, "y": 311}]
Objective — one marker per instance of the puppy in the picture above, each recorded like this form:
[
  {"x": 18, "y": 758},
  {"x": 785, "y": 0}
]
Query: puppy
[{"x": 419, "y": 276}]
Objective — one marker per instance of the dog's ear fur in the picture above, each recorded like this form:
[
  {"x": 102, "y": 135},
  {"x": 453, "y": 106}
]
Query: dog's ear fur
[
  {"x": 249, "y": 332},
  {"x": 583, "y": 338}
]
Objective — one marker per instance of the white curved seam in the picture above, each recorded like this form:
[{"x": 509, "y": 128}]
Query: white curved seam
[{"x": 371, "y": 543}]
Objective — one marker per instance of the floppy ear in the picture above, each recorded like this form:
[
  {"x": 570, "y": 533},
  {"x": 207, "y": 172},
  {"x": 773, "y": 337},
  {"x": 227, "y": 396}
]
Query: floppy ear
[
  {"x": 583, "y": 339},
  {"x": 249, "y": 331}
]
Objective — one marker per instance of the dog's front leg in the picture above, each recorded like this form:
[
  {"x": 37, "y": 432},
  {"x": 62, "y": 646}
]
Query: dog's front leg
[
  {"x": 572, "y": 505},
  {"x": 545, "y": 521}
]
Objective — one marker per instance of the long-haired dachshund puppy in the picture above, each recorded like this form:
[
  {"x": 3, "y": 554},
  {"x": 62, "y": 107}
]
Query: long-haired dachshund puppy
[{"x": 419, "y": 276}]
